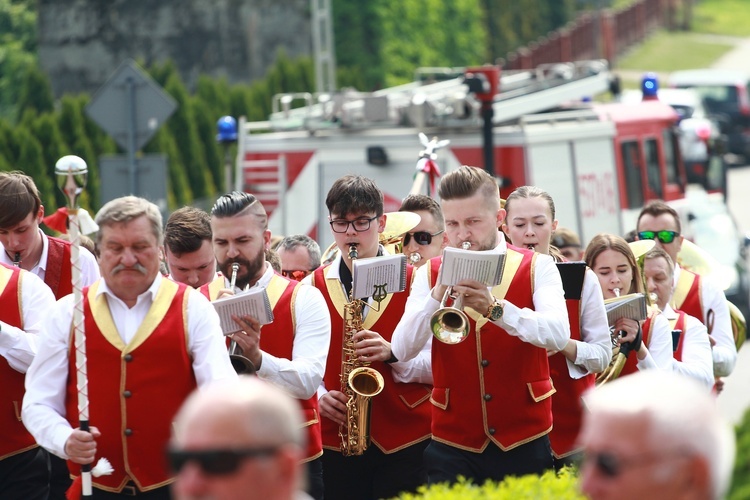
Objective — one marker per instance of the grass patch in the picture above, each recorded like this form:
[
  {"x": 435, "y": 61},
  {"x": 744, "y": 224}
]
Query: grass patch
[
  {"x": 670, "y": 51},
  {"x": 722, "y": 17}
]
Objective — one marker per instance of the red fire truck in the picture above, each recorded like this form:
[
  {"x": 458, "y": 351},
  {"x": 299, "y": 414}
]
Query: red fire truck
[{"x": 600, "y": 162}]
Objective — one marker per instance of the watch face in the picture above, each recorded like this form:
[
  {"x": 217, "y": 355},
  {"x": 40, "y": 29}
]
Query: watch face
[{"x": 496, "y": 312}]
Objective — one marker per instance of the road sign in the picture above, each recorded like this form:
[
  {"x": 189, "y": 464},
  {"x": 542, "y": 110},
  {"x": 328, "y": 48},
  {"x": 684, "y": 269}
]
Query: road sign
[
  {"x": 151, "y": 174},
  {"x": 130, "y": 102}
]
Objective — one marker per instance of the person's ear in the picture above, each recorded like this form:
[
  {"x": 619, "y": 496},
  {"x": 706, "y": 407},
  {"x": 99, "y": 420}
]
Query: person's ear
[{"x": 501, "y": 213}]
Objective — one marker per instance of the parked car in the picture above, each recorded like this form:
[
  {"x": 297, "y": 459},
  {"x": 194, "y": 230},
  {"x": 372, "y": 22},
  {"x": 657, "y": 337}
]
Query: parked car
[{"x": 726, "y": 96}]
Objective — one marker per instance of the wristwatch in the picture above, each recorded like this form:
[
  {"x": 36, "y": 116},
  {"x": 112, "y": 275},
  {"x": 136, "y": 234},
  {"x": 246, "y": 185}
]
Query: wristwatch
[{"x": 495, "y": 311}]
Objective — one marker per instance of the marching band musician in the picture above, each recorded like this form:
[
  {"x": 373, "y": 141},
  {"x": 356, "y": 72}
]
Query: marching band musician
[
  {"x": 427, "y": 239},
  {"x": 692, "y": 350},
  {"x": 502, "y": 364},
  {"x": 187, "y": 248},
  {"x": 133, "y": 317},
  {"x": 613, "y": 262},
  {"x": 25, "y": 300},
  {"x": 291, "y": 351},
  {"x": 530, "y": 223},
  {"x": 24, "y": 244},
  {"x": 691, "y": 293},
  {"x": 400, "y": 418}
]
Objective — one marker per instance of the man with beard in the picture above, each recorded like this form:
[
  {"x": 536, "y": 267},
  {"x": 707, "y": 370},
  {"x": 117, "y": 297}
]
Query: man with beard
[
  {"x": 491, "y": 399},
  {"x": 291, "y": 353},
  {"x": 400, "y": 418},
  {"x": 149, "y": 343}
]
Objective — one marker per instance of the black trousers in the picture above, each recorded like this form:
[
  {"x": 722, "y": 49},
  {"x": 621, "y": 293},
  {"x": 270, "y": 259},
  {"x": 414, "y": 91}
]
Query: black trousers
[
  {"x": 445, "y": 463},
  {"x": 25, "y": 476},
  {"x": 59, "y": 481},
  {"x": 373, "y": 474},
  {"x": 315, "y": 478},
  {"x": 163, "y": 493}
]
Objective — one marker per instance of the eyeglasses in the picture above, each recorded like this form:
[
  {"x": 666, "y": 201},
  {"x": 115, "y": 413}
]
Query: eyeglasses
[
  {"x": 359, "y": 225},
  {"x": 611, "y": 466},
  {"x": 662, "y": 236},
  {"x": 421, "y": 237},
  {"x": 216, "y": 462},
  {"x": 296, "y": 274}
]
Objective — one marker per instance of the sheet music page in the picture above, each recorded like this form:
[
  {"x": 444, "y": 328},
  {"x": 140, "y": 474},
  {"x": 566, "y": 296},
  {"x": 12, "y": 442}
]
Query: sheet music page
[
  {"x": 459, "y": 264},
  {"x": 372, "y": 273},
  {"x": 632, "y": 306},
  {"x": 253, "y": 302}
]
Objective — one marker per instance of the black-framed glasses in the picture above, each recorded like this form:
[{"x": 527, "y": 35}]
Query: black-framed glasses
[
  {"x": 217, "y": 462},
  {"x": 663, "y": 236},
  {"x": 359, "y": 225},
  {"x": 295, "y": 274},
  {"x": 421, "y": 237}
]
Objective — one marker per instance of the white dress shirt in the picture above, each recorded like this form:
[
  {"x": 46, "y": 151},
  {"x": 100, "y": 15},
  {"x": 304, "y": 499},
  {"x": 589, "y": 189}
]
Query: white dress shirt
[
  {"x": 713, "y": 299},
  {"x": 594, "y": 352},
  {"x": 697, "y": 361},
  {"x": 44, "y": 402},
  {"x": 545, "y": 326},
  {"x": 301, "y": 375},
  {"x": 659, "y": 346},
  {"x": 19, "y": 346},
  {"x": 89, "y": 265}
]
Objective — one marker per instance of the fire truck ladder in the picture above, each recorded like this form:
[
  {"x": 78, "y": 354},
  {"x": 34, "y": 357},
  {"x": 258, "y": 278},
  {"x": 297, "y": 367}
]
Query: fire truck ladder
[
  {"x": 445, "y": 103},
  {"x": 267, "y": 180}
]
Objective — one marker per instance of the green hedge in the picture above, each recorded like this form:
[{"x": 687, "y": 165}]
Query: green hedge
[{"x": 560, "y": 486}]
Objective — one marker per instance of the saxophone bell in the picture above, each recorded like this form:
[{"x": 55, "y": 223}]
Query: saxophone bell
[{"x": 240, "y": 363}]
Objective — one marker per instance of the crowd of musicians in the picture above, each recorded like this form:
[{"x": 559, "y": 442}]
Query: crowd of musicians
[{"x": 505, "y": 401}]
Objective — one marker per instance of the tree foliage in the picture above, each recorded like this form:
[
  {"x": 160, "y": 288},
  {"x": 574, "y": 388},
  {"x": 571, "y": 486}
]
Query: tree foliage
[{"x": 378, "y": 43}]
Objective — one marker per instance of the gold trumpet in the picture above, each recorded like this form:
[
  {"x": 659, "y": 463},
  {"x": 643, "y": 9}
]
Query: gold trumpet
[
  {"x": 449, "y": 324},
  {"x": 240, "y": 363}
]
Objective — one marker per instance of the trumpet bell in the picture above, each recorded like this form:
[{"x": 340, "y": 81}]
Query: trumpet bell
[
  {"x": 366, "y": 381},
  {"x": 242, "y": 365},
  {"x": 449, "y": 325}
]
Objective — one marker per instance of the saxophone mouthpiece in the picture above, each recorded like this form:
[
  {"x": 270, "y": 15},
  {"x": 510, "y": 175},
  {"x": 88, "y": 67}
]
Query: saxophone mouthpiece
[
  {"x": 352, "y": 252},
  {"x": 235, "y": 270},
  {"x": 17, "y": 259},
  {"x": 616, "y": 291},
  {"x": 466, "y": 245}
]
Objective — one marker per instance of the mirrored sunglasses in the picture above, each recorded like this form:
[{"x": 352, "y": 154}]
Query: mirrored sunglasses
[
  {"x": 421, "y": 237},
  {"x": 662, "y": 236},
  {"x": 216, "y": 462}
]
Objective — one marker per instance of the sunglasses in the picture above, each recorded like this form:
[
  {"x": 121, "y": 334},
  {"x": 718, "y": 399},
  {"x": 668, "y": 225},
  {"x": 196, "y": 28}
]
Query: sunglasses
[
  {"x": 662, "y": 236},
  {"x": 421, "y": 237},
  {"x": 296, "y": 274},
  {"x": 216, "y": 462}
]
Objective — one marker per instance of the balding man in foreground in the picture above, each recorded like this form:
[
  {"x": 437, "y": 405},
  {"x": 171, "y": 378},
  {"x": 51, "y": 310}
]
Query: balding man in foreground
[
  {"x": 241, "y": 439},
  {"x": 655, "y": 434}
]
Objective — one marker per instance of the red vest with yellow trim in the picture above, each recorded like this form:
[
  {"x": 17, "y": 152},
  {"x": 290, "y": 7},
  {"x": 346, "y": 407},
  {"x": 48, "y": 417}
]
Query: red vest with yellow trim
[
  {"x": 631, "y": 365},
  {"x": 399, "y": 415},
  {"x": 134, "y": 390},
  {"x": 58, "y": 274},
  {"x": 278, "y": 340},
  {"x": 14, "y": 438},
  {"x": 679, "y": 323},
  {"x": 686, "y": 295},
  {"x": 492, "y": 386},
  {"x": 567, "y": 407},
  {"x": 211, "y": 289}
]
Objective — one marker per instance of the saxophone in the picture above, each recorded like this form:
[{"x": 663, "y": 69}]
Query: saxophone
[{"x": 358, "y": 381}]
